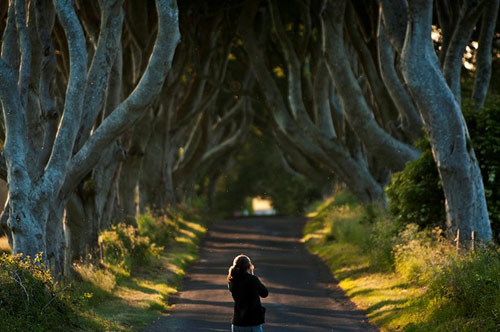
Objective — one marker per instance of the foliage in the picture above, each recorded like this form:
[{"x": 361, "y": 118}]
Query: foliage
[
  {"x": 419, "y": 254},
  {"x": 415, "y": 194},
  {"x": 427, "y": 287},
  {"x": 379, "y": 246},
  {"x": 124, "y": 247},
  {"x": 123, "y": 295},
  {"x": 160, "y": 229},
  {"x": 29, "y": 298},
  {"x": 469, "y": 286},
  {"x": 95, "y": 280},
  {"x": 368, "y": 228},
  {"x": 258, "y": 171}
]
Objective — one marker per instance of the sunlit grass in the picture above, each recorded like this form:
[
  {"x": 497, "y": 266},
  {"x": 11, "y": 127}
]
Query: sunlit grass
[
  {"x": 127, "y": 302},
  {"x": 381, "y": 295},
  {"x": 423, "y": 286}
]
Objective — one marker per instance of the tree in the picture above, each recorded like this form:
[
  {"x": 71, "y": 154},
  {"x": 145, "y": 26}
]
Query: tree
[
  {"x": 466, "y": 210},
  {"x": 43, "y": 167}
]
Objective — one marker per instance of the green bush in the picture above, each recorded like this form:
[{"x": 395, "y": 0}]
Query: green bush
[
  {"x": 379, "y": 245},
  {"x": 344, "y": 225},
  {"x": 160, "y": 229},
  {"x": 29, "y": 298},
  {"x": 123, "y": 247},
  {"x": 415, "y": 194}
]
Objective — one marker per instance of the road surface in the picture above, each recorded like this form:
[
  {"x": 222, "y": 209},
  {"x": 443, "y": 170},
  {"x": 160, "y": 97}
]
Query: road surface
[{"x": 303, "y": 295}]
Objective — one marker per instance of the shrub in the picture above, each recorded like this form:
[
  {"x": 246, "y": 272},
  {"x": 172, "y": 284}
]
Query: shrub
[
  {"x": 29, "y": 298},
  {"x": 124, "y": 247},
  {"x": 415, "y": 194},
  {"x": 379, "y": 244},
  {"x": 101, "y": 278},
  {"x": 160, "y": 229},
  {"x": 470, "y": 285}
]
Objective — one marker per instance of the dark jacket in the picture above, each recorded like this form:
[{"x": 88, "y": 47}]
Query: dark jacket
[{"x": 246, "y": 289}]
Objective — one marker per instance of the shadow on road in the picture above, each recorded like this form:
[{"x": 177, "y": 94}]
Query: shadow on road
[{"x": 303, "y": 294}]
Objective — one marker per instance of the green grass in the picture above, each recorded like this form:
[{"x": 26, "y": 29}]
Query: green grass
[
  {"x": 128, "y": 301},
  {"x": 405, "y": 279},
  {"x": 381, "y": 294}
]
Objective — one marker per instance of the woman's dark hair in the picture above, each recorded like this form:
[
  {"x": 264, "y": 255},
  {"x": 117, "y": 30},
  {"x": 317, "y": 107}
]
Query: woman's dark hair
[{"x": 241, "y": 264}]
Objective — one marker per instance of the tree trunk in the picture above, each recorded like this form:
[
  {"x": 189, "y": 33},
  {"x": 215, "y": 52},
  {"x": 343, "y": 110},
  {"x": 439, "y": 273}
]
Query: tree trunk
[
  {"x": 131, "y": 167},
  {"x": 483, "y": 56},
  {"x": 78, "y": 230},
  {"x": 88, "y": 210},
  {"x": 56, "y": 242},
  {"x": 458, "y": 168},
  {"x": 28, "y": 233},
  {"x": 151, "y": 180},
  {"x": 378, "y": 142}
]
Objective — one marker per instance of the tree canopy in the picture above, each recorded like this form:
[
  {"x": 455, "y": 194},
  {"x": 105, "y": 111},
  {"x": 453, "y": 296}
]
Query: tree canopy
[{"x": 111, "y": 107}]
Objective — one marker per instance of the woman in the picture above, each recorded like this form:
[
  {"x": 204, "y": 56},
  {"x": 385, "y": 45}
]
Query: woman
[{"x": 246, "y": 290}]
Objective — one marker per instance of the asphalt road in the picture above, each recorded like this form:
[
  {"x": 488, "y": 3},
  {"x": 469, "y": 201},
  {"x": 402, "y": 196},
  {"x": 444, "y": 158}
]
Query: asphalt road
[{"x": 303, "y": 295}]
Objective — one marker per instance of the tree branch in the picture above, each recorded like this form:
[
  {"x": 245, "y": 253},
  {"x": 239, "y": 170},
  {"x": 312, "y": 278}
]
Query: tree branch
[
  {"x": 395, "y": 153},
  {"x": 411, "y": 121},
  {"x": 483, "y": 56},
  {"x": 394, "y": 16},
  {"x": 63, "y": 145},
  {"x": 45, "y": 17},
  {"x": 26, "y": 52},
  {"x": 10, "y": 47},
  {"x": 108, "y": 46},
  {"x": 16, "y": 144},
  {"x": 132, "y": 108},
  {"x": 452, "y": 64}
]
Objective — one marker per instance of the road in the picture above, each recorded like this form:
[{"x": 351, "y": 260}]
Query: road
[{"x": 303, "y": 295}]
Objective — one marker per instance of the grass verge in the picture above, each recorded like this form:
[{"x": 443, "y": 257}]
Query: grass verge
[
  {"x": 120, "y": 299},
  {"x": 406, "y": 279}
]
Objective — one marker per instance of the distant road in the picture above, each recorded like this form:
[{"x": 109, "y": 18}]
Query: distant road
[{"x": 303, "y": 296}]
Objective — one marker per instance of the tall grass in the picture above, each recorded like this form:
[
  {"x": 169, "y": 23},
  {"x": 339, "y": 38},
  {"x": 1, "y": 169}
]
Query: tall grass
[{"x": 407, "y": 278}]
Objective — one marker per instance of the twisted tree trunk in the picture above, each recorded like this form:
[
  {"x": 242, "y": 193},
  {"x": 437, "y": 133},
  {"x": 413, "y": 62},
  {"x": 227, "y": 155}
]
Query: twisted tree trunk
[{"x": 458, "y": 168}]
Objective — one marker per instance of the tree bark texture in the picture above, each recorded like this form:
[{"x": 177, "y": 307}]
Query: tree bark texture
[{"x": 457, "y": 164}]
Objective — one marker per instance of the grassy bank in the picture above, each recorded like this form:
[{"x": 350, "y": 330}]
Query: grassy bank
[
  {"x": 123, "y": 289},
  {"x": 406, "y": 279}
]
